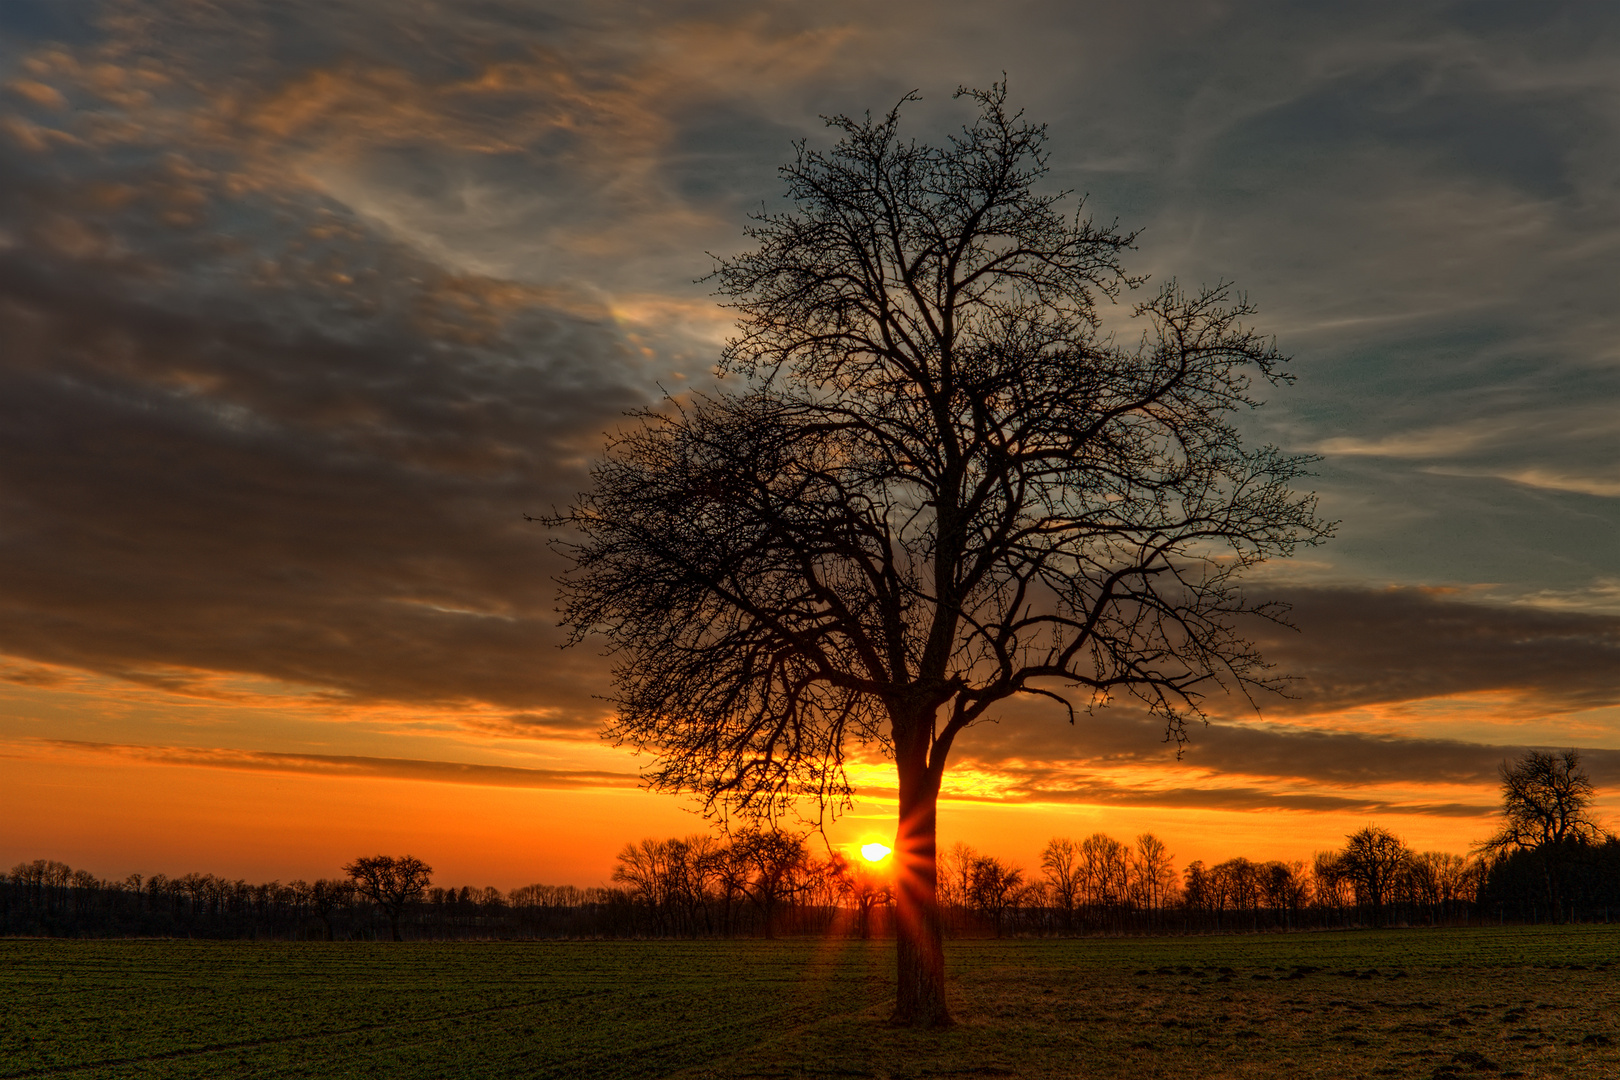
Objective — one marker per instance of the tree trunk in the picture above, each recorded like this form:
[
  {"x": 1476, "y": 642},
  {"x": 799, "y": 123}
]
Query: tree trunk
[{"x": 920, "y": 946}]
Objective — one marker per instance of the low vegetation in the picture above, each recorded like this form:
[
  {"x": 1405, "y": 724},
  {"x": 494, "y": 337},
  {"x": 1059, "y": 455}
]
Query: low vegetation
[{"x": 1515, "y": 1001}]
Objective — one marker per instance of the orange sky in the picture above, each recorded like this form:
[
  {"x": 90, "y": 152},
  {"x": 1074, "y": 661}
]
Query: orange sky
[
  {"x": 551, "y": 811},
  {"x": 118, "y": 817}
]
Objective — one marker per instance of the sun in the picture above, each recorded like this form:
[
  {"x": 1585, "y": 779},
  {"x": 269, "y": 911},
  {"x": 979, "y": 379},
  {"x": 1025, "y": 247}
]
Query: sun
[{"x": 875, "y": 852}]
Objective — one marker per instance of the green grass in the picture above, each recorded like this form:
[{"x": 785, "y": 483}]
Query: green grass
[{"x": 1535, "y": 1002}]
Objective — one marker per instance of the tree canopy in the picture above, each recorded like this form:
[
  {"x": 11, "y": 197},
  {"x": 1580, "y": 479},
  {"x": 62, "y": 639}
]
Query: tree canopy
[
  {"x": 1546, "y": 800},
  {"x": 390, "y": 883}
]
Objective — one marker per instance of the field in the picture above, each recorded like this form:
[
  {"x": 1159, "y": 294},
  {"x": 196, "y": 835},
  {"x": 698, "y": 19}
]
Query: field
[{"x": 1533, "y": 1002}]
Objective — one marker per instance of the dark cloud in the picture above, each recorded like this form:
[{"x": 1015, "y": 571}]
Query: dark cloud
[
  {"x": 1359, "y": 647},
  {"x": 1207, "y": 797},
  {"x": 1355, "y": 649},
  {"x": 1332, "y": 759},
  {"x": 1073, "y": 786},
  {"x": 344, "y": 765},
  {"x": 258, "y": 436},
  {"x": 37, "y": 21}
]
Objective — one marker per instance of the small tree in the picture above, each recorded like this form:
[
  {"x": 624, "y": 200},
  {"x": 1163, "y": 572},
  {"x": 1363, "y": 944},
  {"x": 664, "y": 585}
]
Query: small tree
[
  {"x": 1374, "y": 860},
  {"x": 390, "y": 883},
  {"x": 326, "y": 897},
  {"x": 1060, "y": 864},
  {"x": 774, "y": 858},
  {"x": 1547, "y": 810},
  {"x": 995, "y": 886},
  {"x": 1104, "y": 873},
  {"x": 1546, "y": 799},
  {"x": 1285, "y": 889},
  {"x": 1197, "y": 890},
  {"x": 940, "y": 485},
  {"x": 1153, "y": 875},
  {"x": 866, "y": 886},
  {"x": 651, "y": 870}
]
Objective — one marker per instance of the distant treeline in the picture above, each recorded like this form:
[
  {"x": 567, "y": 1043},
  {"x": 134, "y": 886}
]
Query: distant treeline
[{"x": 770, "y": 883}]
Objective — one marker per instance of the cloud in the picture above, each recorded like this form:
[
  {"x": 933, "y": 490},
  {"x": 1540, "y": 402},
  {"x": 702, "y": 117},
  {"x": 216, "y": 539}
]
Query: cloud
[
  {"x": 203, "y": 489},
  {"x": 1226, "y": 798},
  {"x": 246, "y": 431},
  {"x": 1606, "y": 487},
  {"x": 1374, "y": 668},
  {"x": 1097, "y": 781},
  {"x": 1038, "y": 745},
  {"x": 1438, "y": 442},
  {"x": 345, "y": 765},
  {"x": 498, "y": 140},
  {"x": 1359, "y": 647},
  {"x": 1060, "y": 787}
]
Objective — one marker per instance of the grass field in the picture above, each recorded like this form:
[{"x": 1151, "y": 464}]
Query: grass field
[{"x": 1531, "y": 1002}]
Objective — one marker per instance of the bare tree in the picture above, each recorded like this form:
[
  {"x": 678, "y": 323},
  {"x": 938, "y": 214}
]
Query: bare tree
[
  {"x": 1105, "y": 867},
  {"x": 866, "y": 887},
  {"x": 774, "y": 858},
  {"x": 1153, "y": 874},
  {"x": 669, "y": 877},
  {"x": 1546, "y": 799},
  {"x": 995, "y": 886},
  {"x": 1241, "y": 884},
  {"x": 955, "y": 871},
  {"x": 941, "y": 484},
  {"x": 1197, "y": 889},
  {"x": 1059, "y": 862},
  {"x": 326, "y": 897},
  {"x": 705, "y": 876},
  {"x": 1374, "y": 860},
  {"x": 1285, "y": 888},
  {"x": 390, "y": 883},
  {"x": 731, "y": 875},
  {"x": 1546, "y": 809},
  {"x": 642, "y": 868}
]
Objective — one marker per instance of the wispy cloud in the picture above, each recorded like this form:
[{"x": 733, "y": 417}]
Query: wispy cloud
[
  {"x": 1437, "y": 442},
  {"x": 342, "y": 765},
  {"x": 1602, "y": 486}
]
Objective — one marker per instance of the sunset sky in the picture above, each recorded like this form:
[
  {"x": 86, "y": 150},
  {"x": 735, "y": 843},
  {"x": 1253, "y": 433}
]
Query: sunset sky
[{"x": 304, "y": 305}]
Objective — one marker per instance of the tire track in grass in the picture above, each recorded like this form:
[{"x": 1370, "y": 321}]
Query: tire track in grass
[
  {"x": 269, "y": 1040},
  {"x": 656, "y": 1048}
]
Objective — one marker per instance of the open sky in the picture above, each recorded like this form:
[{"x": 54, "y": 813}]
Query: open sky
[{"x": 304, "y": 304}]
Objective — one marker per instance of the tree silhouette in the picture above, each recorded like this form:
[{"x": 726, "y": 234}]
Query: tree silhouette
[
  {"x": 940, "y": 484},
  {"x": 327, "y": 896},
  {"x": 1374, "y": 859},
  {"x": 390, "y": 883},
  {"x": 865, "y": 886},
  {"x": 1059, "y": 862},
  {"x": 1547, "y": 810},
  {"x": 773, "y": 858},
  {"x": 1546, "y": 799},
  {"x": 994, "y": 886},
  {"x": 1153, "y": 873}
]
